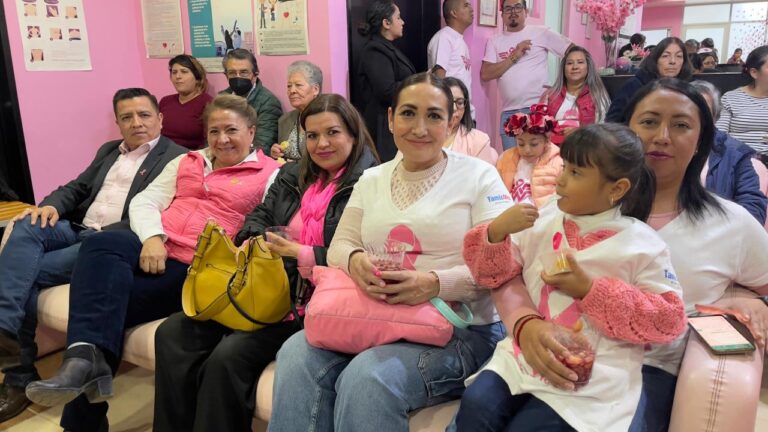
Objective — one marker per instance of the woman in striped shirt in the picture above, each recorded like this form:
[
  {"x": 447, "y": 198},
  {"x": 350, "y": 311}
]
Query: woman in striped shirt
[{"x": 745, "y": 110}]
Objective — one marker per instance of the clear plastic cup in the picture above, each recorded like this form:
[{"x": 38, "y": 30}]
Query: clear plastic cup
[
  {"x": 581, "y": 348},
  {"x": 280, "y": 230},
  {"x": 555, "y": 262},
  {"x": 387, "y": 257}
]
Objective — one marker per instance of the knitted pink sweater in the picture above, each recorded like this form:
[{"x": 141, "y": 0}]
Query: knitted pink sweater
[{"x": 618, "y": 309}]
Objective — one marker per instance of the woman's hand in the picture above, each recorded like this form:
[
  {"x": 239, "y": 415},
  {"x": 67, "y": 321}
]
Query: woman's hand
[
  {"x": 513, "y": 220},
  {"x": 408, "y": 287},
  {"x": 753, "y": 313},
  {"x": 281, "y": 246},
  {"x": 153, "y": 255},
  {"x": 365, "y": 274},
  {"x": 575, "y": 283},
  {"x": 541, "y": 350},
  {"x": 276, "y": 151}
]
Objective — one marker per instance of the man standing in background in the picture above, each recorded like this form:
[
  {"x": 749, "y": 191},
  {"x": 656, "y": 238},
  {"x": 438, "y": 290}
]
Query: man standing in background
[
  {"x": 447, "y": 47},
  {"x": 518, "y": 59}
]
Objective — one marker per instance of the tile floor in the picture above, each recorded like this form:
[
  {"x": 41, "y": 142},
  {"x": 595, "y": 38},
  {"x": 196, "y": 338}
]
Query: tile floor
[{"x": 131, "y": 410}]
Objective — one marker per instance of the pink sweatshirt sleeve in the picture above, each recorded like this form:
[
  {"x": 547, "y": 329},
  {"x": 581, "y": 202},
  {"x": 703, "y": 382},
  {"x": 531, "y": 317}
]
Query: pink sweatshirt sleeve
[
  {"x": 623, "y": 311},
  {"x": 491, "y": 264}
]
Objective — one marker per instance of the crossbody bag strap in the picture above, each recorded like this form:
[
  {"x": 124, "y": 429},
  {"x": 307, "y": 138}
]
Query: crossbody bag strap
[
  {"x": 242, "y": 311},
  {"x": 452, "y": 316}
]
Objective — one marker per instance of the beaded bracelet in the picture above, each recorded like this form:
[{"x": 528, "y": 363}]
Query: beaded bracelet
[{"x": 521, "y": 323}]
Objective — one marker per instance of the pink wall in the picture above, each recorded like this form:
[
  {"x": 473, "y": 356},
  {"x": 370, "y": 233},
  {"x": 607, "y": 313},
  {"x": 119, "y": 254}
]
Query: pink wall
[
  {"x": 664, "y": 17},
  {"x": 66, "y": 116}
]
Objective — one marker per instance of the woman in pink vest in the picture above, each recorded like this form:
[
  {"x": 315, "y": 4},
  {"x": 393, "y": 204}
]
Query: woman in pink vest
[
  {"x": 124, "y": 278},
  {"x": 578, "y": 97}
]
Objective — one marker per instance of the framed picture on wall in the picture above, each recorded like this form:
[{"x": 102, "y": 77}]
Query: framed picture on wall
[{"x": 488, "y": 15}]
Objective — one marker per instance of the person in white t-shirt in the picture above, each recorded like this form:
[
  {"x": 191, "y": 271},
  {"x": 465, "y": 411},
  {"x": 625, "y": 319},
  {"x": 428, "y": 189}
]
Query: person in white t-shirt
[
  {"x": 518, "y": 59},
  {"x": 423, "y": 199},
  {"x": 611, "y": 291},
  {"x": 447, "y": 47},
  {"x": 714, "y": 243}
]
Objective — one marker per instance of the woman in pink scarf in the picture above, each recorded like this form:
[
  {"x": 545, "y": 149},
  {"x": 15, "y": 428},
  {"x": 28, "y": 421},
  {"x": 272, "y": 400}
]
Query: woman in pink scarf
[{"x": 206, "y": 373}]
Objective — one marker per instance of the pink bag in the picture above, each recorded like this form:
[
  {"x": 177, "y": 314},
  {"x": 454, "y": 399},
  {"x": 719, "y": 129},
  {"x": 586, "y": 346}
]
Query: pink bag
[{"x": 341, "y": 317}]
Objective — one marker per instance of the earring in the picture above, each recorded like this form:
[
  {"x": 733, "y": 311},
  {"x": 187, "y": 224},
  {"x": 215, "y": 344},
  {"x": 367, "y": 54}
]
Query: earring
[{"x": 612, "y": 200}]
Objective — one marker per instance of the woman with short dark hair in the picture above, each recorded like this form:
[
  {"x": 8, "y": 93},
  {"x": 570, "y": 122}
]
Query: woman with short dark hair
[{"x": 745, "y": 110}]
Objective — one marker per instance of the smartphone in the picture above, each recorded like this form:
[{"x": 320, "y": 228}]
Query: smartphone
[{"x": 723, "y": 334}]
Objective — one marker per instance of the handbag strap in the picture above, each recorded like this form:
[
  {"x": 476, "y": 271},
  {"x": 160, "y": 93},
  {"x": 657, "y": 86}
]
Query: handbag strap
[
  {"x": 238, "y": 279},
  {"x": 240, "y": 309},
  {"x": 452, "y": 316},
  {"x": 188, "y": 302}
]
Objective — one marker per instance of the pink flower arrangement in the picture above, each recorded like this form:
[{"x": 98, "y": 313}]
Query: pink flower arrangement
[
  {"x": 538, "y": 122},
  {"x": 609, "y": 15}
]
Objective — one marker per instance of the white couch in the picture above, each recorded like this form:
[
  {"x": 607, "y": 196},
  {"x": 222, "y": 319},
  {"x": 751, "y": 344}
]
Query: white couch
[{"x": 52, "y": 313}]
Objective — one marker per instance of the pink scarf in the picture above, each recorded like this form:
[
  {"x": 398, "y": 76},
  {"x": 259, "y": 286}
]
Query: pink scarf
[{"x": 314, "y": 204}]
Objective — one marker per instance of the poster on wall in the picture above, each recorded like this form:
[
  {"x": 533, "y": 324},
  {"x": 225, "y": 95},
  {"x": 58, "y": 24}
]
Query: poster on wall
[
  {"x": 162, "y": 28},
  {"x": 53, "y": 35},
  {"x": 217, "y": 27},
  {"x": 282, "y": 27}
]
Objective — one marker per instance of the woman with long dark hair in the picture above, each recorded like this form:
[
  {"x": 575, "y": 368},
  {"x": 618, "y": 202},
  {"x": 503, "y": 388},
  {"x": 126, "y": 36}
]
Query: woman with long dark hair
[
  {"x": 667, "y": 60},
  {"x": 578, "y": 87},
  {"x": 381, "y": 69}
]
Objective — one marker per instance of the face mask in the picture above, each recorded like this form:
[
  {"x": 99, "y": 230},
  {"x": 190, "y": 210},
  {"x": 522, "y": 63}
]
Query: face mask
[{"x": 240, "y": 86}]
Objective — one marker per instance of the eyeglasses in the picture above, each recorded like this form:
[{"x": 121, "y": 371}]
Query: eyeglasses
[
  {"x": 460, "y": 102},
  {"x": 507, "y": 10},
  {"x": 243, "y": 73}
]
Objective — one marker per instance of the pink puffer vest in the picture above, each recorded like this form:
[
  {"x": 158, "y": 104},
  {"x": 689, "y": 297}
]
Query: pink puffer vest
[{"x": 226, "y": 195}]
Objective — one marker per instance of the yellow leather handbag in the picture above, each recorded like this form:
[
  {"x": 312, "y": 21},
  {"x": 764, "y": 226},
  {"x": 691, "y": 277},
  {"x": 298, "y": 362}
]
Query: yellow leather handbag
[{"x": 244, "y": 289}]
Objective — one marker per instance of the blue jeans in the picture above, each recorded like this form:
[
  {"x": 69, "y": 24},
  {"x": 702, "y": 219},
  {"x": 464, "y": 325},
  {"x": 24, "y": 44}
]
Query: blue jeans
[
  {"x": 487, "y": 406},
  {"x": 318, "y": 390},
  {"x": 507, "y": 142},
  {"x": 655, "y": 407},
  {"x": 34, "y": 258}
]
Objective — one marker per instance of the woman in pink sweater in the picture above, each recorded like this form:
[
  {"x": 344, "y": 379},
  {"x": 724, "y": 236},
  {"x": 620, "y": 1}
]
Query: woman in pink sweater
[
  {"x": 465, "y": 138},
  {"x": 530, "y": 170},
  {"x": 610, "y": 293}
]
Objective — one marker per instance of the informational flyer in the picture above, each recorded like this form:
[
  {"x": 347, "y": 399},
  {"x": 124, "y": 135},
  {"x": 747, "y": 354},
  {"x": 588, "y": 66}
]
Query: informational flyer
[
  {"x": 282, "y": 27},
  {"x": 219, "y": 26},
  {"x": 53, "y": 35},
  {"x": 163, "y": 37}
]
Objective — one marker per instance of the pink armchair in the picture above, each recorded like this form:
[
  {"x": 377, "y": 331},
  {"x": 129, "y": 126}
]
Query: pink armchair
[{"x": 717, "y": 392}]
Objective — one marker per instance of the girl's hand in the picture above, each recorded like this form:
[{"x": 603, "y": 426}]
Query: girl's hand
[
  {"x": 513, "y": 220},
  {"x": 575, "y": 283},
  {"x": 753, "y": 313},
  {"x": 366, "y": 275},
  {"x": 408, "y": 287},
  {"x": 541, "y": 350},
  {"x": 281, "y": 246}
]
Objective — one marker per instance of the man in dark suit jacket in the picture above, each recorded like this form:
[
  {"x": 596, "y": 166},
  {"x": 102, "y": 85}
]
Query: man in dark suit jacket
[{"x": 42, "y": 248}]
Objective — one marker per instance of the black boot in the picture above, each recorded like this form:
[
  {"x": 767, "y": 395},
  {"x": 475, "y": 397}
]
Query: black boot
[
  {"x": 9, "y": 349},
  {"x": 84, "y": 370},
  {"x": 13, "y": 401}
]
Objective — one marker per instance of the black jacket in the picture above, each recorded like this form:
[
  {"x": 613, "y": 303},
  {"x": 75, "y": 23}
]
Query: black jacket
[
  {"x": 73, "y": 199},
  {"x": 380, "y": 72},
  {"x": 283, "y": 200},
  {"x": 621, "y": 100}
]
